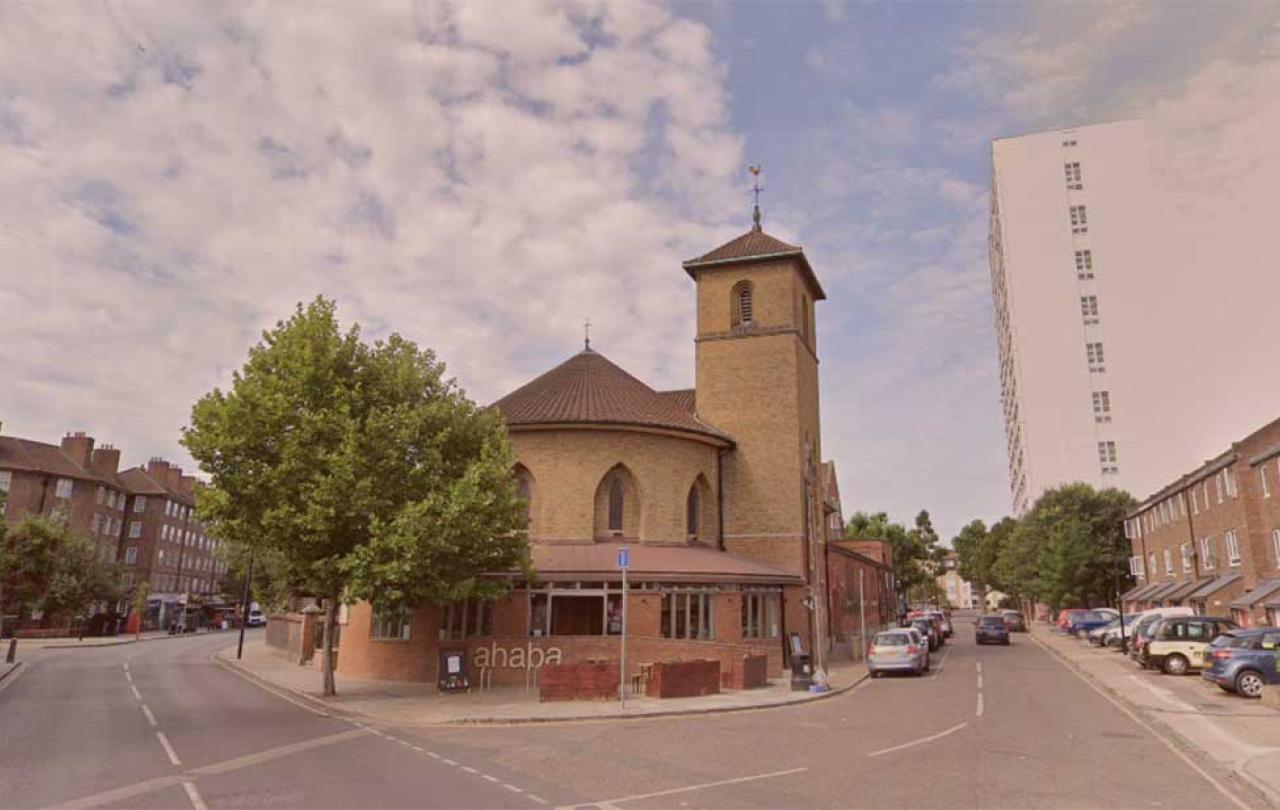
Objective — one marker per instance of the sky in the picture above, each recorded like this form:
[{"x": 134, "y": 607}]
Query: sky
[{"x": 482, "y": 177}]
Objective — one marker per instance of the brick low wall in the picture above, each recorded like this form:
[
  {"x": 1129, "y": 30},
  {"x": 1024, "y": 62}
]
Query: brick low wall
[
  {"x": 588, "y": 681},
  {"x": 672, "y": 679},
  {"x": 284, "y": 634},
  {"x": 749, "y": 672}
]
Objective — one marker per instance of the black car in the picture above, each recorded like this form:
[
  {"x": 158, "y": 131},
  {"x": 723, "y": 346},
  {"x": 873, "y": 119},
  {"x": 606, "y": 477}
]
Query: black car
[{"x": 991, "y": 629}]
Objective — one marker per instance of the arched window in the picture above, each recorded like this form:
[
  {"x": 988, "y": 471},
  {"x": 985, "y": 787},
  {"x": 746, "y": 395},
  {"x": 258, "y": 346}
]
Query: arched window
[
  {"x": 617, "y": 504},
  {"x": 524, "y": 491},
  {"x": 693, "y": 516},
  {"x": 741, "y": 304},
  {"x": 699, "y": 511}
]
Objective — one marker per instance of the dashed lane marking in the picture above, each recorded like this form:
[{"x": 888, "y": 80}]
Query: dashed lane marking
[
  {"x": 151, "y": 718},
  {"x": 486, "y": 777},
  {"x": 168, "y": 749},
  {"x": 136, "y": 693},
  {"x": 194, "y": 796},
  {"x": 469, "y": 769},
  {"x": 920, "y": 741},
  {"x": 447, "y": 761},
  {"x": 537, "y": 799},
  {"x": 512, "y": 788},
  {"x": 980, "y": 706}
]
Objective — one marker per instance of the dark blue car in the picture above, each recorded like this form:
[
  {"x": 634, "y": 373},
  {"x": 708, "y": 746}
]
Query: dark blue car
[
  {"x": 1079, "y": 624},
  {"x": 1243, "y": 661},
  {"x": 991, "y": 630}
]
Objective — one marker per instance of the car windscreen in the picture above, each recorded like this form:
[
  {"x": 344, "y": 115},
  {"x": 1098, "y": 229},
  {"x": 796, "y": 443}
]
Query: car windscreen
[
  {"x": 892, "y": 640},
  {"x": 992, "y": 621}
]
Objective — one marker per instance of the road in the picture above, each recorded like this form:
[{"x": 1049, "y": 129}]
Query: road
[{"x": 158, "y": 724}]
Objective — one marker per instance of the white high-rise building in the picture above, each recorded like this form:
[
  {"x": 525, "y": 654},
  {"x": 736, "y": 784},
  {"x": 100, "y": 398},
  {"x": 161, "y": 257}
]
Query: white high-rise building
[{"x": 1076, "y": 253}]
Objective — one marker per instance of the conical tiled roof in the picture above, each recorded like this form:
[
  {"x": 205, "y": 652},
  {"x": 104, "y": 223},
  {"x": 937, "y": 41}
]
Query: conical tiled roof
[
  {"x": 756, "y": 246},
  {"x": 588, "y": 389}
]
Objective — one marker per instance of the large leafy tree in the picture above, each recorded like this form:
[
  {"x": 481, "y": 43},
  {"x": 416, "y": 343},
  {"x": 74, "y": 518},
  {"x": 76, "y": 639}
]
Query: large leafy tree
[
  {"x": 359, "y": 467},
  {"x": 44, "y": 566},
  {"x": 80, "y": 579},
  {"x": 1081, "y": 553},
  {"x": 915, "y": 551}
]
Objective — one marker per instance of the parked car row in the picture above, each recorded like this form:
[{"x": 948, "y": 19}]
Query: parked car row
[
  {"x": 908, "y": 648},
  {"x": 1175, "y": 641}
]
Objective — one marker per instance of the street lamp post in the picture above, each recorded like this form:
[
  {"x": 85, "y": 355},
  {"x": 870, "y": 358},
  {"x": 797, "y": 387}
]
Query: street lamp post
[{"x": 244, "y": 608}]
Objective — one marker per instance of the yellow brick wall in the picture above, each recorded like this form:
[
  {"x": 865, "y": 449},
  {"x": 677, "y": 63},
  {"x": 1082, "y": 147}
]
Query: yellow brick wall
[{"x": 568, "y": 465}]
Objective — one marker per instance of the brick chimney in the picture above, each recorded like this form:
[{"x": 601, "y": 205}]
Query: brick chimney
[
  {"x": 158, "y": 469},
  {"x": 173, "y": 478},
  {"x": 189, "y": 486},
  {"x": 79, "y": 447},
  {"x": 106, "y": 459}
]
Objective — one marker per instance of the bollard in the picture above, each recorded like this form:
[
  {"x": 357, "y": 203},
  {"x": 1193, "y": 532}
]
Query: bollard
[{"x": 13, "y": 651}]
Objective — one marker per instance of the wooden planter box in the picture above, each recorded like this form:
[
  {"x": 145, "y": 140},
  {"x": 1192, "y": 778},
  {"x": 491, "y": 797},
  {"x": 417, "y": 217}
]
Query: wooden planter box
[
  {"x": 673, "y": 679},
  {"x": 594, "y": 681}
]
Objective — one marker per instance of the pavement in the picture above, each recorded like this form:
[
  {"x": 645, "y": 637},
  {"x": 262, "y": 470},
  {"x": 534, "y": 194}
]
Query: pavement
[
  {"x": 68, "y": 642},
  {"x": 1240, "y": 734},
  {"x": 419, "y": 704},
  {"x": 164, "y": 725}
]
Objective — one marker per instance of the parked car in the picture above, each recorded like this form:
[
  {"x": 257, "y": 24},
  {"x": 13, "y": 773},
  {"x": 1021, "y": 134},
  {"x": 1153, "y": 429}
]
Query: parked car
[
  {"x": 1065, "y": 615},
  {"x": 991, "y": 628},
  {"x": 1014, "y": 621},
  {"x": 256, "y": 619},
  {"x": 1243, "y": 661},
  {"x": 943, "y": 620},
  {"x": 1148, "y": 620},
  {"x": 1097, "y": 634},
  {"x": 930, "y": 632},
  {"x": 901, "y": 650},
  {"x": 1178, "y": 645},
  {"x": 1080, "y": 623},
  {"x": 934, "y": 618},
  {"x": 1112, "y": 637}
]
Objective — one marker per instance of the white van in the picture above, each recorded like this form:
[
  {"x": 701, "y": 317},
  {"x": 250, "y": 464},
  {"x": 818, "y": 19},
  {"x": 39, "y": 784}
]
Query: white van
[{"x": 1147, "y": 620}]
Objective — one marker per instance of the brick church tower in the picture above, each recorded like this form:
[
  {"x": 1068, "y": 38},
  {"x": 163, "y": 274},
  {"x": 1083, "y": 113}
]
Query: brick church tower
[{"x": 757, "y": 380}]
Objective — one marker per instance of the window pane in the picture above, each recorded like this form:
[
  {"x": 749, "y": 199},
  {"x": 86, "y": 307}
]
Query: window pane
[{"x": 577, "y": 615}]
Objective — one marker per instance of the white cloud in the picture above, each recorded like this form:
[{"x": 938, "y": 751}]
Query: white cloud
[{"x": 178, "y": 176}]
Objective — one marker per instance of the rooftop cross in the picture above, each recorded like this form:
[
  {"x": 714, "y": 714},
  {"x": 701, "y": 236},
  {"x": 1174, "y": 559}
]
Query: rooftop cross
[
  {"x": 755, "y": 213},
  {"x": 586, "y": 334}
]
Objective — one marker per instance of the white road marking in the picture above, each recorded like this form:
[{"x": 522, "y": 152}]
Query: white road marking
[
  {"x": 126, "y": 666},
  {"x": 979, "y": 665},
  {"x": 1163, "y": 740},
  {"x": 447, "y": 761},
  {"x": 433, "y": 755},
  {"x": 151, "y": 718},
  {"x": 512, "y": 788},
  {"x": 168, "y": 749},
  {"x": 486, "y": 777},
  {"x": 128, "y": 676},
  {"x": 920, "y": 741},
  {"x": 194, "y": 796},
  {"x": 979, "y": 680},
  {"x": 16, "y": 673},
  {"x": 537, "y": 799},
  {"x": 469, "y": 769},
  {"x": 980, "y": 706},
  {"x": 136, "y": 693},
  {"x": 639, "y": 796}
]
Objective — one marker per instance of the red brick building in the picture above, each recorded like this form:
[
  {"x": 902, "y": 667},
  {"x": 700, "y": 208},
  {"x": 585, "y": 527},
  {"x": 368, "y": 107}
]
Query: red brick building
[
  {"x": 1211, "y": 539},
  {"x": 717, "y": 492}
]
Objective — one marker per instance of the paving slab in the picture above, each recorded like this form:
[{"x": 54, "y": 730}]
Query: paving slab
[{"x": 420, "y": 704}]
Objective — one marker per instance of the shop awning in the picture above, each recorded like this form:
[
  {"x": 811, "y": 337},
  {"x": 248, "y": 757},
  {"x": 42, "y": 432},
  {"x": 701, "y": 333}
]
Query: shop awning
[
  {"x": 1260, "y": 592},
  {"x": 1214, "y": 586},
  {"x": 1185, "y": 589},
  {"x": 1158, "y": 593},
  {"x": 1141, "y": 595},
  {"x": 1133, "y": 592},
  {"x": 653, "y": 563}
]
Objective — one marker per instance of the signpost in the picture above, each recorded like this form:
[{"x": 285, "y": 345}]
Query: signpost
[{"x": 624, "y": 562}]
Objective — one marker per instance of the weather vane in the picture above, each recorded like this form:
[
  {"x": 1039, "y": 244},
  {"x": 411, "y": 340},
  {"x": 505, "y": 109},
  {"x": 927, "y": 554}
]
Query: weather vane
[
  {"x": 586, "y": 334},
  {"x": 755, "y": 188}
]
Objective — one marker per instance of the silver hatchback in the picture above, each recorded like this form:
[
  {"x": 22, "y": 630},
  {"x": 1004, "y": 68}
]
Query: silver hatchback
[{"x": 900, "y": 650}]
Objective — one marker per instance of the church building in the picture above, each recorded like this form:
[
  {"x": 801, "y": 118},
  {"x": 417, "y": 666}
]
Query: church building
[{"x": 715, "y": 491}]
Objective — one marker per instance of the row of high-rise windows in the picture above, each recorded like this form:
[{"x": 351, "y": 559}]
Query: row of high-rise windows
[{"x": 1095, "y": 362}]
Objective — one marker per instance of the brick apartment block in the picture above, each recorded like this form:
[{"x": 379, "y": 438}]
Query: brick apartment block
[
  {"x": 140, "y": 517},
  {"x": 1211, "y": 539}
]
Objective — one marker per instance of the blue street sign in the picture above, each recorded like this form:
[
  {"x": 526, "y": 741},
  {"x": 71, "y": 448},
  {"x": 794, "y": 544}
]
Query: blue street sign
[{"x": 624, "y": 557}]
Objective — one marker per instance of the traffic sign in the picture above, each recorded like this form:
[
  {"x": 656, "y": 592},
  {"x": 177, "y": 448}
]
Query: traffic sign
[{"x": 624, "y": 557}]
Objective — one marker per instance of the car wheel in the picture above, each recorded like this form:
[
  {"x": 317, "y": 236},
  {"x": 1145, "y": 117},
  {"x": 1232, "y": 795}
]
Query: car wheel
[
  {"x": 1249, "y": 684},
  {"x": 1175, "y": 665}
]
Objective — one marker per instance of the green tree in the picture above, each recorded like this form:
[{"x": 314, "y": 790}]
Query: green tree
[
  {"x": 1078, "y": 535},
  {"x": 974, "y": 555},
  {"x": 366, "y": 471},
  {"x": 80, "y": 579},
  {"x": 915, "y": 551},
  {"x": 28, "y": 564}
]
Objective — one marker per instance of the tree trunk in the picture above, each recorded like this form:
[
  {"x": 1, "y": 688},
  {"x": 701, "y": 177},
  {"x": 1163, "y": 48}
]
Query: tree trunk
[{"x": 330, "y": 620}]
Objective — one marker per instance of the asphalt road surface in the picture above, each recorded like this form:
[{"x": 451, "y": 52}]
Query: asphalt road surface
[{"x": 159, "y": 725}]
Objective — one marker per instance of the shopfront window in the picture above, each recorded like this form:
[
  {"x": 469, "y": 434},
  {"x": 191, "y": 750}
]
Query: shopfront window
[
  {"x": 576, "y": 609},
  {"x": 760, "y": 614},
  {"x": 688, "y": 612},
  {"x": 467, "y": 618},
  {"x": 391, "y": 623}
]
